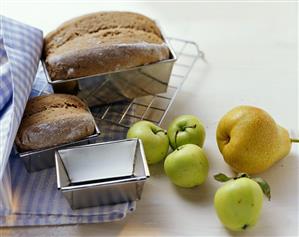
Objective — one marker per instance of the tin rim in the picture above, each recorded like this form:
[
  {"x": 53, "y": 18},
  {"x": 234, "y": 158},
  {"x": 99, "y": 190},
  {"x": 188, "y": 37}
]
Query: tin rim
[{"x": 102, "y": 183}]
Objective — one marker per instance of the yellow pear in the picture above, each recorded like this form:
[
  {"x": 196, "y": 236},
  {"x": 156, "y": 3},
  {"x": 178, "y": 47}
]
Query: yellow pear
[{"x": 250, "y": 140}]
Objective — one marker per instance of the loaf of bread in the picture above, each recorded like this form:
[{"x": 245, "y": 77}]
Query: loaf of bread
[
  {"x": 102, "y": 42},
  {"x": 52, "y": 120}
]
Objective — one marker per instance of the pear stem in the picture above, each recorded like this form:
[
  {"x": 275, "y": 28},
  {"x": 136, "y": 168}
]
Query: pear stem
[{"x": 294, "y": 139}]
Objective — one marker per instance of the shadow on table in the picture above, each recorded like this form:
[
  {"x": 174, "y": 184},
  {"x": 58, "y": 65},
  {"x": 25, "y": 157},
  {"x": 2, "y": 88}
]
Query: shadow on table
[
  {"x": 199, "y": 195},
  {"x": 157, "y": 170}
]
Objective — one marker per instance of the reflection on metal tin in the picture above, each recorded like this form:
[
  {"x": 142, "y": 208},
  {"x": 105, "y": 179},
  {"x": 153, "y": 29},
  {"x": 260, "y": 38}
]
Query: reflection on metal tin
[
  {"x": 102, "y": 173},
  {"x": 126, "y": 84}
]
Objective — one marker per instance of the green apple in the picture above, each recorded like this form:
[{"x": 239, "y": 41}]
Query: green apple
[
  {"x": 154, "y": 139},
  {"x": 186, "y": 129},
  {"x": 238, "y": 203},
  {"x": 187, "y": 166}
]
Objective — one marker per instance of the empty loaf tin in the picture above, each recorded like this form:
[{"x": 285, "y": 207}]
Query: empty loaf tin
[
  {"x": 110, "y": 87},
  {"x": 37, "y": 160},
  {"x": 102, "y": 173}
]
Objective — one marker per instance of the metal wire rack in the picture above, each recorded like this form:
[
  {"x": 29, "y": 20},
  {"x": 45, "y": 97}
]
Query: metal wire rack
[{"x": 154, "y": 107}]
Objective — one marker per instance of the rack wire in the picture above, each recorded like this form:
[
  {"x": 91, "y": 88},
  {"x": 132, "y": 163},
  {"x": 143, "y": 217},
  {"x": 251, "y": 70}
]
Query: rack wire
[{"x": 154, "y": 107}]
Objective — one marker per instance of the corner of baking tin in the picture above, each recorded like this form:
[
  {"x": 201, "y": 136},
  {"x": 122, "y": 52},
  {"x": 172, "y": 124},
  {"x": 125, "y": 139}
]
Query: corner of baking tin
[{"x": 146, "y": 169}]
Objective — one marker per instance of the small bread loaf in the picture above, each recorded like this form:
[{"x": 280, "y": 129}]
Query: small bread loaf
[
  {"x": 52, "y": 120},
  {"x": 102, "y": 42}
]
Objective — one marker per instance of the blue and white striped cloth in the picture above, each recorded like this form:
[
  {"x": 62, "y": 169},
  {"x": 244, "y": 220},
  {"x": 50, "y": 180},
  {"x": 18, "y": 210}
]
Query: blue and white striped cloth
[
  {"x": 5, "y": 83},
  {"x": 33, "y": 199},
  {"x": 21, "y": 47}
]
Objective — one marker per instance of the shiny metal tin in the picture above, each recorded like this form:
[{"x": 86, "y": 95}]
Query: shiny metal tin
[
  {"x": 110, "y": 87},
  {"x": 102, "y": 173},
  {"x": 44, "y": 158}
]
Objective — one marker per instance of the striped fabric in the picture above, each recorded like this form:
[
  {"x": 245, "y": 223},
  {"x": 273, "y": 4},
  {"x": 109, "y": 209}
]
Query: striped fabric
[
  {"x": 5, "y": 193},
  {"x": 33, "y": 199},
  {"x": 47, "y": 206},
  {"x": 20, "y": 52},
  {"x": 5, "y": 82}
]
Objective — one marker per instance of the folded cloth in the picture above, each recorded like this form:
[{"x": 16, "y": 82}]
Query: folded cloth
[
  {"x": 35, "y": 199},
  {"x": 5, "y": 81},
  {"x": 21, "y": 47}
]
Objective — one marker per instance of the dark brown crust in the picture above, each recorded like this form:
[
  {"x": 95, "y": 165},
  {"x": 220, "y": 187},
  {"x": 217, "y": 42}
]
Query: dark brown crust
[
  {"x": 102, "y": 42},
  {"x": 53, "y": 120}
]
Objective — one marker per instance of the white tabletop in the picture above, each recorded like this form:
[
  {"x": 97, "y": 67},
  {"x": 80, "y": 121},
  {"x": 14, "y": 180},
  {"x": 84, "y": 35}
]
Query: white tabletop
[{"x": 251, "y": 49}]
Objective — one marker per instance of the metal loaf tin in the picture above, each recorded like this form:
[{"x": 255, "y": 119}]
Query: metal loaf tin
[
  {"x": 102, "y": 173},
  {"x": 126, "y": 84},
  {"x": 37, "y": 160}
]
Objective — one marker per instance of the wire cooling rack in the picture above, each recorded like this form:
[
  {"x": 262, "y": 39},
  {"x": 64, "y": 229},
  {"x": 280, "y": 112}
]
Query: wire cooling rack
[{"x": 154, "y": 107}]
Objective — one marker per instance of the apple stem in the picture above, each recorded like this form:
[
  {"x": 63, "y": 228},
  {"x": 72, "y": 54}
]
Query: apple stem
[
  {"x": 175, "y": 138},
  {"x": 160, "y": 130},
  {"x": 193, "y": 126},
  {"x": 262, "y": 183},
  {"x": 179, "y": 148},
  {"x": 294, "y": 140},
  {"x": 183, "y": 129}
]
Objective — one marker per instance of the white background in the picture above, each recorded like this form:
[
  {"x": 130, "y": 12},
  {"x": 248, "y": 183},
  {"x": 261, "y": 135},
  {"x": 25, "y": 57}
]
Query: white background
[{"x": 252, "y": 53}]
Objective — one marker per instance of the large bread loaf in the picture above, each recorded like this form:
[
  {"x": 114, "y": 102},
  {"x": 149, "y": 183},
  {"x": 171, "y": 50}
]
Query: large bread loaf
[{"x": 102, "y": 42}]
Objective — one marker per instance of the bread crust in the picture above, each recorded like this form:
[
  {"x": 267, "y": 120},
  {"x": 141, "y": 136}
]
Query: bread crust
[
  {"x": 102, "y": 42},
  {"x": 53, "y": 120}
]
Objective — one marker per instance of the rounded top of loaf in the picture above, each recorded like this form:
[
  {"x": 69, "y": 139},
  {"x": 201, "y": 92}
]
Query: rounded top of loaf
[
  {"x": 95, "y": 22},
  {"x": 40, "y": 103},
  {"x": 54, "y": 119}
]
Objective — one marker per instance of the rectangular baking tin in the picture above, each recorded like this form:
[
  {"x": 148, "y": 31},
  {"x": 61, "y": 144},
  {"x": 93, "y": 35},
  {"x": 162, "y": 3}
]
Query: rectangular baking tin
[
  {"x": 117, "y": 173},
  {"x": 126, "y": 84},
  {"x": 44, "y": 158}
]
